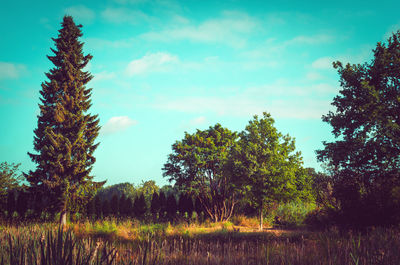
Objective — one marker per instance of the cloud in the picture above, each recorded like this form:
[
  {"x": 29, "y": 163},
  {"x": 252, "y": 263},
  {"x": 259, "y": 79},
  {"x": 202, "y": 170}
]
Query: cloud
[
  {"x": 154, "y": 62},
  {"x": 11, "y": 70},
  {"x": 117, "y": 124},
  {"x": 193, "y": 123},
  {"x": 198, "y": 121},
  {"x": 246, "y": 107},
  {"x": 97, "y": 43},
  {"x": 104, "y": 75},
  {"x": 232, "y": 29},
  {"x": 124, "y": 15},
  {"x": 312, "y": 76},
  {"x": 316, "y": 39},
  {"x": 81, "y": 13},
  {"x": 323, "y": 63}
]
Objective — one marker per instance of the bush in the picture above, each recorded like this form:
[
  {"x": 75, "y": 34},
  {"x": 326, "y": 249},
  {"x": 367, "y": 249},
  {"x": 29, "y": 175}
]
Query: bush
[{"x": 293, "y": 213}]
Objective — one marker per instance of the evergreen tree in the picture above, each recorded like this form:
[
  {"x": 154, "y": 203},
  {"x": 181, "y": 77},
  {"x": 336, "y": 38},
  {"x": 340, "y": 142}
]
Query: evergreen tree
[
  {"x": 91, "y": 209},
  {"x": 10, "y": 204},
  {"x": 171, "y": 206},
  {"x": 114, "y": 204},
  {"x": 185, "y": 205},
  {"x": 65, "y": 135},
  {"x": 21, "y": 204},
  {"x": 98, "y": 207},
  {"x": 122, "y": 206},
  {"x": 139, "y": 206},
  {"x": 37, "y": 206},
  {"x": 155, "y": 205},
  {"x": 163, "y": 205},
  {"x": 129, "y": 207},
  {"x": 106, "y": 209}
]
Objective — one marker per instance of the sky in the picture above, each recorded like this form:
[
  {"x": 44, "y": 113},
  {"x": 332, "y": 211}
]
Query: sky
[{"x": 164, "y": 67}]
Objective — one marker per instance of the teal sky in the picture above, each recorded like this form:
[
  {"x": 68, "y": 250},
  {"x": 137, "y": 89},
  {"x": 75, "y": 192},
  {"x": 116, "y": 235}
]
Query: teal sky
[{"x": 165, "y": 67}]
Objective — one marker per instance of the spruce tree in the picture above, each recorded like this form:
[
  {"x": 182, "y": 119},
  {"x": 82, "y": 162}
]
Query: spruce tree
[
  {"x": 65, "y": 135},
  {"x": 155, "y": 205}
]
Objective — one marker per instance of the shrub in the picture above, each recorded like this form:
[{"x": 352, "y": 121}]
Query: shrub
[{"x": 293, "y": 213}]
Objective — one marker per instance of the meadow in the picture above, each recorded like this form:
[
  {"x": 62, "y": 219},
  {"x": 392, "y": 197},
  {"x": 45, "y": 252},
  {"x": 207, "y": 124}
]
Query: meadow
[{"x": 130, "y": 242}]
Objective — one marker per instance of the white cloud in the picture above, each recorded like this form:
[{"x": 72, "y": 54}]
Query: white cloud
[
  {"x": 312, "y": 76},
  {"x": 124, "y": 15},
  {"x": 232, "y": 29},
  {"x": 316, "y": 39},
  {"x": 198, "y": 121},
  {"x": 96, "y": 43},
  {"x": 11, "y": 70},
  {"x": 154, "y": 62},
  {"x": 247, "y": 107},
  {"x": 193, "y": 123},
  {"x": 117, "y": 124},
  {"x": 323, "y": 63},
  {"x": 104, "y": 75},
  {"x": 81, "y": 13}
]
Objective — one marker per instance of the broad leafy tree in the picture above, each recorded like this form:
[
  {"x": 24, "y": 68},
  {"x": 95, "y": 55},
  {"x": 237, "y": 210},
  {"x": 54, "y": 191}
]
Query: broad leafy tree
[
  {"x": 66, "y": 132},
  {"x": 365, "y": 157},
  {"x": 266, "y": 166},
  {"x": 10, "y": 179},
  {"x": 197, "y": 167}
]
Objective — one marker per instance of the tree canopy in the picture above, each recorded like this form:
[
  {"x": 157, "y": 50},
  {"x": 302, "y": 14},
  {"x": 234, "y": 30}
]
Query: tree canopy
[
  {"x": 197, "y": 167},
  {"x": 266, "y": 167},
  {"x": 365, "y": 157}
]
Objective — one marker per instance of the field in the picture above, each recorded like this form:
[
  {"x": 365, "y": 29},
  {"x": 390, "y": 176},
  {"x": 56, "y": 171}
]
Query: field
[{"x": 111, "y": 242}]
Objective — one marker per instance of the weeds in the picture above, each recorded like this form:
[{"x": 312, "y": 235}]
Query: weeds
[{"x": 155, "y": 244}]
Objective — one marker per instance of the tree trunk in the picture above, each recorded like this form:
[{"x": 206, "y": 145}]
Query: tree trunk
[
  {"x": 261, "y": 218},
  {"x": 63, "y": 218}
]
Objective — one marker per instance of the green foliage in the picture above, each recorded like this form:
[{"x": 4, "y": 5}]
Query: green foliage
[
  {"x": 10, "y": 179},
  {"x": 65, "y": 135},
  {"x": 293, "y": 213},
  {"x": 365, "y": 158},
  {"x": 197, "y": 167},
  {"x": 266, "y": 167}
]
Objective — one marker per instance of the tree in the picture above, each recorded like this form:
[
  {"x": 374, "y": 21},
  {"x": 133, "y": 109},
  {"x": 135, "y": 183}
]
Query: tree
[
  {"x": 21, "y": 204},
  {"x": 98, "y": 207},
  {"x": 171, "y": 206},
  {"x": 139, "y": 206},
  {"x": 163, "y": 202},
  {"x": 65, "y": 135},
  {"x": 148, "y": 188},
  {"x": 11, "y": 203},
  {"x": 155, "y": 205},
  {"x": 106, "y": 208},
  {"x": 266, "y": 166},
  {"x": 365, "y": 157},
  {"x": 115, "y": 205},
  {"x": 9, "y": 180},
  {"x": 197, "y": 167},
  {"x": 91, "y": 209},
  {"x": 185, "y": 205}
]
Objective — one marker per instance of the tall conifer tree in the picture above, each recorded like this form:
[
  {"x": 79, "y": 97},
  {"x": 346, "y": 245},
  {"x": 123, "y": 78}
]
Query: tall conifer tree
[{"x": 65, "y": 137}]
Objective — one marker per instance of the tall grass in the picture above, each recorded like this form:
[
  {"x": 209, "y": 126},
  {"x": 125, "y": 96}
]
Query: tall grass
[{"x": 154, "y": 245}]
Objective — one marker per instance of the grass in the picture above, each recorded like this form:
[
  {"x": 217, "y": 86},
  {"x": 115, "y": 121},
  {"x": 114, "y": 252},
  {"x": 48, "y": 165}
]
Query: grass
[{"x": 126, "y": 242}]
